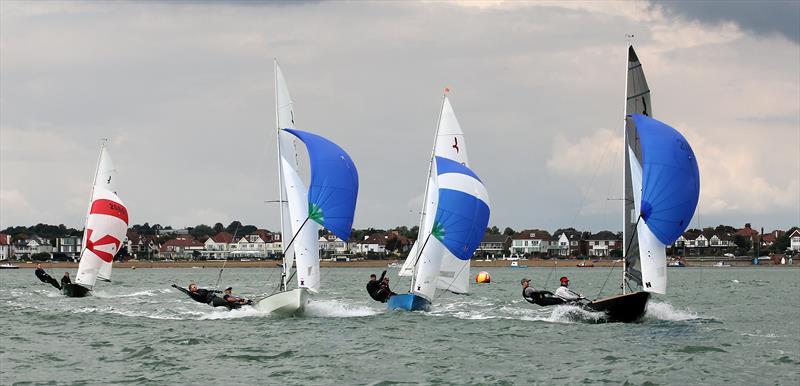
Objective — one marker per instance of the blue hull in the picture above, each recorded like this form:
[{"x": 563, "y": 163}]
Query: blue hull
[{"x": 409, "y": 302}]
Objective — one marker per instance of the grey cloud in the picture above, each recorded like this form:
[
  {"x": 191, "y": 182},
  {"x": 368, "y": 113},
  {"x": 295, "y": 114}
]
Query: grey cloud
[{"x": 761, "y": 17}]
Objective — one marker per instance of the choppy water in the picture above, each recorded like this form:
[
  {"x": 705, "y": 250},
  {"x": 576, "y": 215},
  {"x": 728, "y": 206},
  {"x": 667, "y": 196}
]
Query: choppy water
[{"x": 716, "y": 326}]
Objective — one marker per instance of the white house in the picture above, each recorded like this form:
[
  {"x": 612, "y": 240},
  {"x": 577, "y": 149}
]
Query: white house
[
  {"x": 70, "y": 246},
  {"x": 5, "y": 246},
  {"x": 329, "y": 243},
  {"x": 375, "y": 243},
  {"x": 530, "y": 241},
  {"x": 217, "y": 246},
  {"x": 26, "y": 248},
  {"x": 603, "y": 242},
  {"x": 794, "y": 240}
]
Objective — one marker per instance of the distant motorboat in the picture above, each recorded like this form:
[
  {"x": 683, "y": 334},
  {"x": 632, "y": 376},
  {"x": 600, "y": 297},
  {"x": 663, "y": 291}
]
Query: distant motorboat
[
  {"x": 676, "y": 264},
  {"x": 585, "y": 264},
  {"x": 720, "y": 264},
  {"x": 394, "y": 265},
  {"x": 515, "y": 264},
  {"x": 8, "y": 266}
]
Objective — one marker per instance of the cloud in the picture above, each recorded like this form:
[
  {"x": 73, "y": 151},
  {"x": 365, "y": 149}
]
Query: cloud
[
  {"x": 183, "y": 91},
  {"x": 764, "y": 18}
]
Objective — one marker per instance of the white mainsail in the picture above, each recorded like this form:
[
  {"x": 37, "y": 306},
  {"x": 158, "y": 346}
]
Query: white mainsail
[
  {"x": 106, "y": 226},
  {"x": 294, "y": 201}
]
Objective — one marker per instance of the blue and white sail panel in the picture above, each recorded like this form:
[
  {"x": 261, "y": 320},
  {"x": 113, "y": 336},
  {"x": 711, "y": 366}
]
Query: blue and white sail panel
[
  {"x": 334, "y": 184},
  {"x": 670, "y": 179},
  {"x": 463, "y": 211}
]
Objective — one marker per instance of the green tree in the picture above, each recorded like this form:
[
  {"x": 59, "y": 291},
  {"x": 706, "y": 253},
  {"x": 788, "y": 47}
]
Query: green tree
[
  {"x": 743, "y": 244},
  {"x": 781, "y": 244},
  {"x": 218, "y": 227},
  {"x": 201, "y": 231},
  {"x": 509, "y": 232},
  {"x": 493, "y": 230}
]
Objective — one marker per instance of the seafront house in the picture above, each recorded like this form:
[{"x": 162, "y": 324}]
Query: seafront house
[
  {"x": 182, "y": 247},
  {"x": 253, "y": 245},
  {"x": 748, "y": 231},
  {"x": 372, "y": 244},
  {"x": 530, "y": 242},
  {"x": 216, "y": 247},
  {"x": 331, "y": 245},
  {"x": 493, "y": 245},
  {"x": 31, "y": 246},
  {"x": 602, "y": 243},
  {"x": 794, "y": 240},
  {"x": 70, "y": 246},
  {"x": 5, "y": 246}
]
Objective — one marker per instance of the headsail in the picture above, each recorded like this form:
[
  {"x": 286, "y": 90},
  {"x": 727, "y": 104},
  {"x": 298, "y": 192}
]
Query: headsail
[
  {"x": 666, "y": 191},
  {"x": 331, "y": 200},
  {"x": 637, "y": 102}
]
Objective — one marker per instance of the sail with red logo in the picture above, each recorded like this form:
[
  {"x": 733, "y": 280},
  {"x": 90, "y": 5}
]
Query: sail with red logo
[{"x": 106, "y": 228}]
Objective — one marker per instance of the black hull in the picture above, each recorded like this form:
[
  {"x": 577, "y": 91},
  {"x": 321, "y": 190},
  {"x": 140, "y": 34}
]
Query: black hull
[
  {"x": 75, "y": 290},
  {"x": 622, "y": 308}
]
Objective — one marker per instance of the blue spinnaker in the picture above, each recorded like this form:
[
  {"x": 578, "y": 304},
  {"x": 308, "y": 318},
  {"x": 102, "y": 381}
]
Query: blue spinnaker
[
  {"x": 334, "y": 184},
  {"x": 670, "y": 179},
  {"x": 463, "y": 210}
]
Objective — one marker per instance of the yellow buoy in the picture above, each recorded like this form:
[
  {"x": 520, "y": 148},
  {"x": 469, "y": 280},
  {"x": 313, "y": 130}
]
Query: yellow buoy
[{"x": 483, "y": 277}]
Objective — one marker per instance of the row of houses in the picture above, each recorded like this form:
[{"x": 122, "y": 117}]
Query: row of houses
[{"x": 265, "y": 244}]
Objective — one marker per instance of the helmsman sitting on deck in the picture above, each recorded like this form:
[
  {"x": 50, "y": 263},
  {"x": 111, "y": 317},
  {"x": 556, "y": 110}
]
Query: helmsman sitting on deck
[
  {"x": 567, "y": 294},
  {"x": 65, "y": 280},
  {"x": 45, "y": 278},
  {"x": 234, "y": 301}
]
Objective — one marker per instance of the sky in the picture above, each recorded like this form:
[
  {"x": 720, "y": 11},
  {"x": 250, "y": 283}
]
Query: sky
[{"x": 184, "y": 93}]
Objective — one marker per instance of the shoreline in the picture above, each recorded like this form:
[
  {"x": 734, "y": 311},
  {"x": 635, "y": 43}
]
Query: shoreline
[{"x": 533, "y": 263}]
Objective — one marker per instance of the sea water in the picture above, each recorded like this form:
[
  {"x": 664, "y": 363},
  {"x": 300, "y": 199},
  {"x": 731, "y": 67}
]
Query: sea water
[{"x": 715, "y": 326}]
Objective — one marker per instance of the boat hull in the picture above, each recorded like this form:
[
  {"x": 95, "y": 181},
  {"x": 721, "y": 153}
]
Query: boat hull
[
  {"x": 75, "y": 290},
  {"x": 286, "y": 303},
  {"x": 408, "y": 302},
  {"x": 625, "y": 308}
]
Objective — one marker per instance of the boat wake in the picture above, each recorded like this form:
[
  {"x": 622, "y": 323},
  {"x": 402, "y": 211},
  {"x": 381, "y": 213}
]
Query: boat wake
[
  {"x": 338, "y": 309},
  {"x": 665, "y": 311}
]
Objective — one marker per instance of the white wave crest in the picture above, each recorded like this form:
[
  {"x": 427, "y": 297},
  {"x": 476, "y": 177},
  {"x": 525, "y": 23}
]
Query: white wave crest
[
  {"x": 338, "y": 309},
  {"x": 665, "y": 311}
]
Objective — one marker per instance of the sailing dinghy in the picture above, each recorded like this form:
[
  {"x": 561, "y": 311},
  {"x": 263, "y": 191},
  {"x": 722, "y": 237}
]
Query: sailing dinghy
[
  {"x": 453, "y": 221},
  {"x": 105, "y": 230},
  {"x": 662, "y": 187},
  {"x": 329, "y": 201}
]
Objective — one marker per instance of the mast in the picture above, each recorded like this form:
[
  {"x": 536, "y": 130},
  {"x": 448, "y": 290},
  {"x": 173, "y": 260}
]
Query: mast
[
  {"x": 425, "y": 197},
  {"x": 624, "y": 153},
  {"x": 91, "y": 193},
  {"x": 285, "y": 274}
]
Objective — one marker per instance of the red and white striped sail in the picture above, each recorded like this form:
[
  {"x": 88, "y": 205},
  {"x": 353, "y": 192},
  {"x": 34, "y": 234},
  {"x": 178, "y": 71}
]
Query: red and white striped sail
[{"x": 106, "y": 226}]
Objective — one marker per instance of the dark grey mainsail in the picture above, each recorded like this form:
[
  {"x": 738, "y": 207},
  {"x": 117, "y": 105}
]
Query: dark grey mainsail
[{"x": 638, "y": 102}]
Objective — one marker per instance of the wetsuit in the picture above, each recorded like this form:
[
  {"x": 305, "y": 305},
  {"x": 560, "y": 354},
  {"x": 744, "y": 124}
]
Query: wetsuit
[
  {"x": 65, "y": 280},
  {"x": 542, "y": 298},
  {"x": 202, "y": 295},
  {"x": 234, "y": 301},
  {"x": 45, "y": 278},
  {"x": 374, "y": 286},
  {"x": 384, "y": 293}
]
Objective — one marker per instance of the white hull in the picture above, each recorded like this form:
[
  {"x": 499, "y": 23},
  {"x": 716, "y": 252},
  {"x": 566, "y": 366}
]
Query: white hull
[{"x": 287, "y": 303}]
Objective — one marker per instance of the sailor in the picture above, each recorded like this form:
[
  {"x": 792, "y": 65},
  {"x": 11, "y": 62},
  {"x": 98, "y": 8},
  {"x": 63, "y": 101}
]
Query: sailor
[
  {"x": 44, "y": 277},
  {"x": 228, "y": 297},
  {"x": 65, "y": 280},
  {"x": 384, "y": 292},
  {"x": 527, "y": 291},
  {"x": 199, "y": 295},
  {"x": 565, "y": 293},
  {"x": 374, "y": 285}
]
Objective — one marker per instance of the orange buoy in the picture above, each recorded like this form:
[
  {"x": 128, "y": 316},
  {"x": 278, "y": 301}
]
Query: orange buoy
[{"x": 483, "y": 277}]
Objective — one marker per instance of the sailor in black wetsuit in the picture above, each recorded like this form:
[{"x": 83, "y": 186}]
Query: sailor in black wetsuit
[
  {"x": 202, "y": 295},
  {"x": 384, "y": 293},
  {"x": 374, "y": 288},
  {"x": 44, "y": 277},
  {"x": 233, "y": 301},
  {"x": 542, "y": 298},
  {"x": 65, "y": 280}
]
